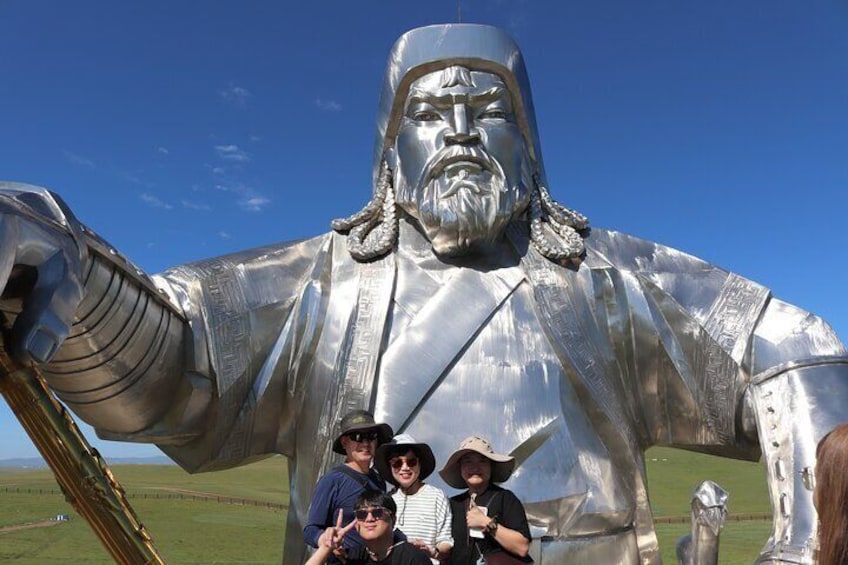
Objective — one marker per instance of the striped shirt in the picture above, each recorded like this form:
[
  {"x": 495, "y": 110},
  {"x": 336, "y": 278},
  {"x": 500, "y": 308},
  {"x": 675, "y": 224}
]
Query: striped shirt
[{"x": 424, "y": 516}]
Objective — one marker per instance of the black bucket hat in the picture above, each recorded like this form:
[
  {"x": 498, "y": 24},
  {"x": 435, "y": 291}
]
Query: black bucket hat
[{"x": 357, "y": 421}]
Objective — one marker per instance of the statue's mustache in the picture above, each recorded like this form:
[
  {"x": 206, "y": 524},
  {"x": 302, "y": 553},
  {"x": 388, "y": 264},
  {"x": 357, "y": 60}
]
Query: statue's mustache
[{"x": 458, "y": 154}]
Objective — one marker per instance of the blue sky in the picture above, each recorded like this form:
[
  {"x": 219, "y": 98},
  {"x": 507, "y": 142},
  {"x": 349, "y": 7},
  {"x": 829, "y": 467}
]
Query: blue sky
[{"x": 182, "y": 130}]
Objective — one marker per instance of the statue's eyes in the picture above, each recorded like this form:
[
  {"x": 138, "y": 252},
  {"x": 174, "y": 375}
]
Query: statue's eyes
[
  {"x": 426, "y": 116},
  {"x": 494, "y": 114}
]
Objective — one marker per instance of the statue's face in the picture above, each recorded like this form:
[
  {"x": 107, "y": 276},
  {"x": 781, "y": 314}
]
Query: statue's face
[{"x": 463, "y": 170}]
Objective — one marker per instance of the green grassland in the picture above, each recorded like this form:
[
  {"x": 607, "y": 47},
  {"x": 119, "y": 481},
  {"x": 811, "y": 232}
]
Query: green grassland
[
  {"x": 187, "y": 530},
  {"x": 673, "y": 474},
  {"x": 195, "y": 530}
]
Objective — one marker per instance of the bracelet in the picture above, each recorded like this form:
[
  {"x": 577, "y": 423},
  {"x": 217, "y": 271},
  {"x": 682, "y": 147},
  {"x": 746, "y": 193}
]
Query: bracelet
[{"x": 492, "y": 527}]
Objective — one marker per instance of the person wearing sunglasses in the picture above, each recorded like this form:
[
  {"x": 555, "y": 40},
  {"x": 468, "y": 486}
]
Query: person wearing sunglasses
[
  {"x": 424, "y": 514},
  {"x": 374, "y": 522},
  {"x": 489, "y": 522},
  {"x": 357, "y": 439}
]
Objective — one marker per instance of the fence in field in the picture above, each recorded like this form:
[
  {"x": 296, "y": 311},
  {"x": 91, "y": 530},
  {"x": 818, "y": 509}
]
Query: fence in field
[
  {"x": 139, "y": 495},
  {"x": 742, "y": 517}
]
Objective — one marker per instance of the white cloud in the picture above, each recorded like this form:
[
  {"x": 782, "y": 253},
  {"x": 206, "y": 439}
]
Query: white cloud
[
  {"x": 248, "y": 198},
  {"x": 215, "y": 169},
  {"x": 162, "y": 150},
  {"x": 254, "y": 203},
  {"x": 196, "y": 205},
  {"x": 154, "y": 201},
  {"x": 255, "y": 138},
  {"x": 232, "y": 153},
  {"x": 78, "y": 159},
  {"x": 235, "y": 94},
  {"x": 134, "y": 179},
  {"x": 328, "y": 105},
  {"x": 224, "y": 235}
]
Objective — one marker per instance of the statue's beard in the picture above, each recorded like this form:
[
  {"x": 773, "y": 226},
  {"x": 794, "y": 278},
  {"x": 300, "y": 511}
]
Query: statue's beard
[{"x": 465, "y": 208}]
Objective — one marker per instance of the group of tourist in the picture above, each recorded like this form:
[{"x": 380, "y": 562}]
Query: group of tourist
[{"x": 353, "y": 519}]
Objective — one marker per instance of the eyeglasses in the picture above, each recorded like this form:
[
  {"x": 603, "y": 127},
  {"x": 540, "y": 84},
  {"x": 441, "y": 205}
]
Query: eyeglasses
[
  {"x": 377, "y": 512},
  {"x": 360, "y": 437},
  {"x": 398, "y": 462}
]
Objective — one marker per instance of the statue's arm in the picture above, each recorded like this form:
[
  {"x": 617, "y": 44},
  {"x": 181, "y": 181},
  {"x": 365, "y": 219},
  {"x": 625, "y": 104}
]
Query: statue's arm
[
  {"x": 197, "y": 360},
  {"x": 123, "y": 367},
  {"x": 725, "y": 368},
  {"x": 112, "y": 342},
  {"x": 797, "y": 394}
]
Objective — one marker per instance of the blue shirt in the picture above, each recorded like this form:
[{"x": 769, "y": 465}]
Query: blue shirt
[{"x": 335, "y": 490}]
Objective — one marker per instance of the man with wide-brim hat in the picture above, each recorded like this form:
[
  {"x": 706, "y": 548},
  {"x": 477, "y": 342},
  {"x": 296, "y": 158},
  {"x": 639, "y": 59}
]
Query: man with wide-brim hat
[
  {"x": 423, "y": 511},
  {"x": 357, "y": 438},
  {"x": 487, "y": 519},
  {"x": 360, "y": 421}
]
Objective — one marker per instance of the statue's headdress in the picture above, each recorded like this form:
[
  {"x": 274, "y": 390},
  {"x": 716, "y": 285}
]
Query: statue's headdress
[
  {"x": 479, "y": 48},
  {"x": 427, "y": 49}
]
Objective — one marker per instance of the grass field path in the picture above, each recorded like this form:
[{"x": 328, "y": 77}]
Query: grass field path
[{"x": 29, "y": 525}]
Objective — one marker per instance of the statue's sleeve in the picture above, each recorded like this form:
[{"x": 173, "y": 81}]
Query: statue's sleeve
[
  {"x": 720, "y": 365},
  {"x": 251, "y": 315},
  {"x": 687, "y": 326},
  {"x": 796, "y": 394}
]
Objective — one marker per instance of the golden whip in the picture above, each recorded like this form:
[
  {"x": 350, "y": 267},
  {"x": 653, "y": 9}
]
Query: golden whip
[{"x": 81, "y": 472}]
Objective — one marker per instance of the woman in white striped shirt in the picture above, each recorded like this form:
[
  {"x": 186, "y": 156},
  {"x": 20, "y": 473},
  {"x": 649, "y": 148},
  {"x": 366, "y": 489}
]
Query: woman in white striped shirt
[{"x": 423, "y": 511}]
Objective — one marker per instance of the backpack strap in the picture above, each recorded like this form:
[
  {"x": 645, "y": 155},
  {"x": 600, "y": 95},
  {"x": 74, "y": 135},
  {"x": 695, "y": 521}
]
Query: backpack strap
[{"x": 367, "y": 481}]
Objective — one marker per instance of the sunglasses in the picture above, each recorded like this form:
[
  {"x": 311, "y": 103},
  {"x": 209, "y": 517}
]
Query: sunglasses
[
  {"x": 378, "y": 513},
  {"x": 360, "y": 437},
  {"x": 398, "y": 462}
]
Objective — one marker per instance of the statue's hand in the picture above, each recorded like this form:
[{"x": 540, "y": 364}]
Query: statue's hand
[
  {"x": 42, "y": 256},
  {"x": 780, "y": 554}
]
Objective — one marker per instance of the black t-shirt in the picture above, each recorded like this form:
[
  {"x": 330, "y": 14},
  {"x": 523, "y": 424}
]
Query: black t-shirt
[
  {"x": 503, "y": 505},
  {"x": 402, "y": 554}
]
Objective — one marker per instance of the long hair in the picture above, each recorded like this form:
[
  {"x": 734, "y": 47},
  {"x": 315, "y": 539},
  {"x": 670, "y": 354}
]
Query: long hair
[
  {"x": 832, "y": 497},
  {"x": 556, "y": 232}
]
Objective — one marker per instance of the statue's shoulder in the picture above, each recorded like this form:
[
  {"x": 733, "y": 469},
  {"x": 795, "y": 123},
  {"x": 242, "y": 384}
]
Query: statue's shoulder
[
  {"x": 284, "y": 260},
  {"x": 609, "y": 248},
  {"x": 664, "y": 272}
]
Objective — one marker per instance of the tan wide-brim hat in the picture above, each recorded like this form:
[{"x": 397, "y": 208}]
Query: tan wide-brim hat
[
  {"x": 502, "y": 465},
  {"x": 358, "y": 421},
  {"x": 399, "y": 445}
]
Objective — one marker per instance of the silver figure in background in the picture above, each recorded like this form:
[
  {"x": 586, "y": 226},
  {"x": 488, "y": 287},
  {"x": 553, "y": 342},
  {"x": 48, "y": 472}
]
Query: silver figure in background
[
  {"x": 709, "y": 512},
  {"x": 462, "y": 299}
]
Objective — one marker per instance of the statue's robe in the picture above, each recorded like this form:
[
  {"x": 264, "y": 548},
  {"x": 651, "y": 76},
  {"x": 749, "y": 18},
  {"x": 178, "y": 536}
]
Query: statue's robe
[{"x": 575, "y": 371}]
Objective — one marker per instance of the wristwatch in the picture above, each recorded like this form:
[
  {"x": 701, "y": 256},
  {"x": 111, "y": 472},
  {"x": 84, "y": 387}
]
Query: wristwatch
[{"x": 492, "y": 527}]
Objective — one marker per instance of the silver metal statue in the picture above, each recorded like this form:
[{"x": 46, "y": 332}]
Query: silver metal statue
[
  {"x": 461, "y": 299},
  {"x": 708, "y": 514}
]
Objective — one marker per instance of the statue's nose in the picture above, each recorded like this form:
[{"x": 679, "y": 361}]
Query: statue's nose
[{"x": 461, "y": 131}]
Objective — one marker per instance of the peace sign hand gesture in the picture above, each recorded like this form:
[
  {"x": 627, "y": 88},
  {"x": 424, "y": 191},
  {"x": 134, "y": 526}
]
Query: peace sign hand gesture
[{"x": 333, "y": 537}]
